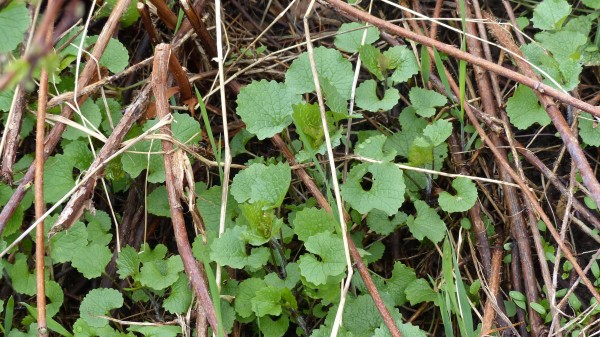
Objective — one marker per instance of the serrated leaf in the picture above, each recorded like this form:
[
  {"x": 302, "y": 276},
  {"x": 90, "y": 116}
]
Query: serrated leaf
[
  {"x": 209, "y": 204},
  {"x": 262, "y": 183},
  {"x": 563, "y": 44},
  {"x": 438, "y": 131},
  {"x": 420, "y": 291},
  {"x": 99, "y": 302},
  {"x": 349, "y": 36},
  {"x": 261, "y": 224},
  {"x": 386, "y": 192},
  {"x": 23, "y": 282},
  {"x": 128, "y": 262},
  {"x": 148, "y": 254},
  {"x": 466, "y": 195},
  {"x": 361, "y": 317},
  {"x": 308, "y": 118},
  {"x": 427, "y": 224},
  {"x": 312, "y": 221},
  {"x": 64, "y": 245},
  {"x": 406, "y": 329},
  {"x": 402, "y": 277},
  {"x": 588, "y": 129},
  {"x": 550, "y": 14},
  {"x": 91, "y": 260},
  {"x": 129, "y": 17},
  {"x": 6, "y": 96},
  {"x": 373, "y": 147},
  {"x": 247, "y": 289},
  {"x": 266, "y": 107},
  {"x": 425, "y": 101},
  {"x": 404, "y": 63},
  {"x": 79, "y": 154},
  {"x": 595, "y": 4},
  {"x": 185, "y": 129},
  {"x": 331, "y": 65},
  {"x": 115, "y": 56},
  {"x": 274, "y": 328},
  {"x": 379, "y": 222},
  {"x": 524, "y": 109},
  {"x": 58, "y": 178},
  {"x": 157, "y": 202},
  {"x": 366, "y": 97},
  {"x": 180, "y": 298},
  {"x": 370, "y": 57},
  {"x": 331, "y": 262},
  {"x": 230, "y": 250},
  {"x": 91, "y": 112},
  {"x": 412, "y": 127},
  {"x": 157, "y": 330},
  {"x": 159, "y": 274},
  {"x": 14, "y": 20},
  {"x": 267, "y": 302}
]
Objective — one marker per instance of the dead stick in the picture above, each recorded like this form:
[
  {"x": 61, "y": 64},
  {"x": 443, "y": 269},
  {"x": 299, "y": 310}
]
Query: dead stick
[
  {"x": 55, "y": 135},
  {"x": 494, "y": 285},
  {"x": 40, "y": 275},
  {"x": 165, "y": 13},
  {"x": 452, "y": 51},
  {"x": 159, "y": 86}
]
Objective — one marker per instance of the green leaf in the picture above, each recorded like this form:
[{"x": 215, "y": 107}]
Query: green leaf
[
  {"x": 402, "y": 277},
  {"x": 386, "y": 192},
  {"x": 157, "y": 331},
  {"x": 424, "y": 101},
  {"x": 14, "y": 20},
  {"x": 157, "y": 203},
  {"x": 267, "y": 302},
  {"x": 420, "y": 291},
  {"x": 230, "y": 250},
  {"x": 361, "y": 317},
  {"x": 159, "y": 274},
  {"x": 563, "y": 44},
  {"x": 427, "y": 223},
  {"x": 588, "y": 129},
  {"x": 58, "y": 178},
  {"x": 91, "y": 112},
  {"x": 538, "y": 307},
  {"x": 64, "y": 245},
  {"x": 262, "y": 183},
  {"x": 180, "y": 298},
  {"x": 114, "y": 111},
  {"x": 99, "y": 302},
  {"x": 595, "y": 4},
  {"x": 79, "y": 154},
  {"x": 312, "y": 221},
  {"x": 266, "y": 107},
  {"x": 371, "y": 57},
  {"x": 465, "y": 198},
  {"x": 406, "y": 329},
  {"x": 247, "y": 290},
  {"x": 331, "y": 261},
  {"x": 128, "y": 18},
  {"x": 262, "y": 225},
  {"x": 6, "y": 97},
  {"x": 438, "y": 132},
  {"x": 379, "y": 222},
  {"x": 308, "y": 118},
  {"x": 373, "y": 147},
  {"x": 115, "y": 56},
  {"x": 550, "y": 14},
  {"x": 366, "y": 97},
  {"x": 185, "y": 129},
  {"x": 128, "y": 262},
  {"x": 349, "y": 36},
  {"x": 23, "y": 282},
  {"x": 403, "y": 61},
  {"x": 331, "y": 65},
  {"x": 271, "y": 328},
  {"x": 412, "y": 127},
  {"x": 209, "y": 204},
  {"x": 91, "y": 260},
  {"x": 524, "y": 110}
]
